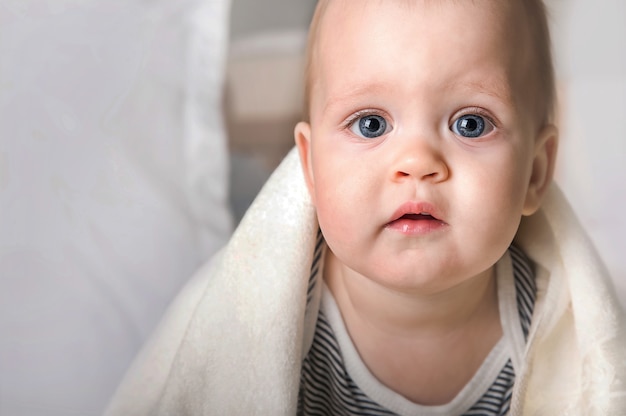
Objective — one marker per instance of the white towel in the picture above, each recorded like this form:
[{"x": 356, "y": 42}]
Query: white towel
[{"x": 231, "y": 344}]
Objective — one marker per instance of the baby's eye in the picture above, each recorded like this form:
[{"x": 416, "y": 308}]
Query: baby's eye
[
  {"x": 471, "y": 126},
  {"x": 369, "y": 126}
]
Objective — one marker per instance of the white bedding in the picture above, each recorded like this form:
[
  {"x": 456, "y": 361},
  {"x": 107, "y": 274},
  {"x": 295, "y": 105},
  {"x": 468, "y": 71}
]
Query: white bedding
[{"x": 113, "y": 186}]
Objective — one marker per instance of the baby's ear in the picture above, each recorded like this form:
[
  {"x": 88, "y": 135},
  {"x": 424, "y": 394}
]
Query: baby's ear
[
  {"x": 546, "y": 144},
  {"x": 302, "y": 135}
]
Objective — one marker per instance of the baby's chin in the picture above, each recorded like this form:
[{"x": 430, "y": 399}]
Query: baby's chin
[{"x": 413, "y": 279}]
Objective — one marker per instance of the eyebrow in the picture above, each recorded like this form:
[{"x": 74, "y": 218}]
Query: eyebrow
[
  {"x": 354, "y": 92},
  {"x": 494, "y": 87},
  {"x": 497, "y": 87}
]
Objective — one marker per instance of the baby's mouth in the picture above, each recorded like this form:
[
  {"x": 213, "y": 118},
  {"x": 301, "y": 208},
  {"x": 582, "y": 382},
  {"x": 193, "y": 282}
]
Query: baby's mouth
[
  {"x": 412, "y": 216},
  {"x": 416, "y": 217},
  {"x": 416, "y": 223}
]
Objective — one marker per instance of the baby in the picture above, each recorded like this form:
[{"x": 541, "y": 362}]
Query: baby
[
  {"x": 429, "y": 137},
  {"x": 449, "y": 276}
]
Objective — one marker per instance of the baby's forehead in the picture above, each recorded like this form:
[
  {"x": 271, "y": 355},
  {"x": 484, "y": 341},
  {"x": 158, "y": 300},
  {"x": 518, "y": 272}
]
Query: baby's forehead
[
  {"x": 335, "y": 19},
  {"x": 348, "y": 36}
]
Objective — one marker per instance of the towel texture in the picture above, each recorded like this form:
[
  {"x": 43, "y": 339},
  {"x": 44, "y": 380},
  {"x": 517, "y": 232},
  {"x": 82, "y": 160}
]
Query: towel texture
[{"x": 232, "y": 341}]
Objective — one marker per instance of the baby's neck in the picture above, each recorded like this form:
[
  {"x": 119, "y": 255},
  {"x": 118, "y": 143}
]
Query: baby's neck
[
  {"x": 425, "y": 347},
  {"x": 398, "y": 313}
]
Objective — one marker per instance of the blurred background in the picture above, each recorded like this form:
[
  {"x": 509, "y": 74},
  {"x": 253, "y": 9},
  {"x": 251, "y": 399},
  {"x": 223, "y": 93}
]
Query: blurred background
[{"x": 135, "y": 133}]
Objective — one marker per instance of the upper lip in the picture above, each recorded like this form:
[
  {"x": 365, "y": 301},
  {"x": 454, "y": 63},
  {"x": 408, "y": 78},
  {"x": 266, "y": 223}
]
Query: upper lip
[{"x": 414, "y": 209}]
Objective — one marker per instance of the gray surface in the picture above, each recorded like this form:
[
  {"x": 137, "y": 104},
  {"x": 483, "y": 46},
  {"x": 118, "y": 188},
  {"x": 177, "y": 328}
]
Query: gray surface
[
  {"x": 252, "y": 16},
  {"x": 247, "y": 177}
]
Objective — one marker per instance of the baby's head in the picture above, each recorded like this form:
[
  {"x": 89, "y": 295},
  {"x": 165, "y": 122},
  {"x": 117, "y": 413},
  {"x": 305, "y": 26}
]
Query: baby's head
[{"x": 428, "y": 132}]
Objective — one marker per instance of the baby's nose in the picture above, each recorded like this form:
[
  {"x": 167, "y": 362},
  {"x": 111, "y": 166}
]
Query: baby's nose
[{"x": 420, "y": 159}]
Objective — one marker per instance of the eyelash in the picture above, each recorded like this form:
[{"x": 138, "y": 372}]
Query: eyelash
[
  {"x": 477, "y": 111},
  {"x": 359, "y": 114}
]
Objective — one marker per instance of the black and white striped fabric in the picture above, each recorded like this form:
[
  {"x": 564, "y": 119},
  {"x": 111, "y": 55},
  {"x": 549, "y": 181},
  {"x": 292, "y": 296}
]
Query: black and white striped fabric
[{"x": 327, "y": 389}]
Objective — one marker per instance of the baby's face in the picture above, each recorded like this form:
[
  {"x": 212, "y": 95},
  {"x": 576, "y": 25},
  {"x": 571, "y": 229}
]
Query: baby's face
[{"x": 420, "y": 155}]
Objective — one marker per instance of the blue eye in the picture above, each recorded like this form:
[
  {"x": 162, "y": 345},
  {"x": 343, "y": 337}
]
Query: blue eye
[
  {"x": 471, "y": 126},
  {"x": 370, "y": 126}
]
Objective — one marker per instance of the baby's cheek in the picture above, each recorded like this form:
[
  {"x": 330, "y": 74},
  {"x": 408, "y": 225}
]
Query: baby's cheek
[
  {"x": 332, "y": 216},
  {"x": 336, "y": 220}
]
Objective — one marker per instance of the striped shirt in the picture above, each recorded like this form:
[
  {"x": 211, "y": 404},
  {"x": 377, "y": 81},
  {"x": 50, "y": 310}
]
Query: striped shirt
[{"x": 327, "y": 388}]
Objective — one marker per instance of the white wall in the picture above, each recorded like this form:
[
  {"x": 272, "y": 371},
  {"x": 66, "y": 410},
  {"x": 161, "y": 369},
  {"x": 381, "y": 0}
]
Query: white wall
[{"x": 590, "y": 51}]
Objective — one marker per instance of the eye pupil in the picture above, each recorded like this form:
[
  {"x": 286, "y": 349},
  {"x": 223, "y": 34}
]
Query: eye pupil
[
  {"x": 470, "y": 126},
  {"x": 372, "y": 126}
]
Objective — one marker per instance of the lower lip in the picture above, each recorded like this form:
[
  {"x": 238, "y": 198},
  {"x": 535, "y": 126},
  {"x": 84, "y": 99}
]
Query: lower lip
[{"x": 416, "y": 227}]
